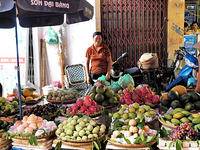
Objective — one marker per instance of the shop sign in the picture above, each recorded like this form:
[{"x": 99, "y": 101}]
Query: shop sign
[
  {"x": 189, "y": 42},
  {"x": 177, "y": 29}
]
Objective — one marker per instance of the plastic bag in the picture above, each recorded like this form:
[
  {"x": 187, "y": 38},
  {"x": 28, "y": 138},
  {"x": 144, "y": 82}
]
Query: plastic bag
[
  {"x": 51, "y": 36},
  {"x": 115, "y": 87},
  {"x": 103, "y": 78},
  {"x": 125, "y": 80}
]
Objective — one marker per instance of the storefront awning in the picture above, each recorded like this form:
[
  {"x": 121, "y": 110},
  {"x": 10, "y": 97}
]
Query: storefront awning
[{"x": 37, "y": 13}]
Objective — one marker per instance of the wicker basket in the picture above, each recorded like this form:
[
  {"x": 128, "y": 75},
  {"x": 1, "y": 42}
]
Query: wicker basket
[
  {"x": 92, "y": 115},
  {"x": 77, "y": 144},
  {"x": 81, "y": 141},
  {"x": 53, "y": 101},
  {"x": 46, "y": 135},
  {"x": 130, "y": 145},
  {"x": 167, "y": 125}
]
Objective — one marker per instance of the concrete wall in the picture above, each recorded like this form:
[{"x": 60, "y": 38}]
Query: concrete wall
[
  {"x": 175, "y": 24},
  {"x": 77, "y": 38}
]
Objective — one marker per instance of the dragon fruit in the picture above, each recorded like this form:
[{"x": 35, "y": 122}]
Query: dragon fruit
[
  {"x": 138, "y": 91},
  {"x": 73, "y": 112},
  {"x": 128, "y": 95},
  {"x": 83, "y": 108},
  {"x": 155, "y": 99},
  {"x": 122, "y": 99},
  {"x": 98, "y": 108},
  {"x": 144, "y": 90},
  {"x": 150, "y": 95},
  {"x": 69, "y": 110},
  {"x": 79, "y": 102},
  {"x": 75, "y": 107},
  {"x": 87, "y": 112},
  {"x": 92, "y": 109},
  {"x": 87, "y": 101},
  {"x": 128, "y": 101},
  {"x": 94, "y": 103},
  {"x": 148, "y": 101}
]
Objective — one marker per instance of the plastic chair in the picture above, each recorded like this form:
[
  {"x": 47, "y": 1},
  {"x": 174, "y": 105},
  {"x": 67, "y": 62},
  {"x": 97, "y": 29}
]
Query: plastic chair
[{"x": 75, "y": 77}]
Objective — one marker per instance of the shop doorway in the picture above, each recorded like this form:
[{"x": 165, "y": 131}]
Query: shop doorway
[
  {"x": 192, "y": 11},
  {"x": 135, "y": 27}
]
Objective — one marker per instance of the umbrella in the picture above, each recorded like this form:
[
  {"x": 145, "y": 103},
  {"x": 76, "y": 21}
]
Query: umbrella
[{"x": 38, "y": 13}]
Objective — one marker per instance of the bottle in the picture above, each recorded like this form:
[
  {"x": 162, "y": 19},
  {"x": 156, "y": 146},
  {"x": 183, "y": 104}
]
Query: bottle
[{"x": 15, "y": 90}]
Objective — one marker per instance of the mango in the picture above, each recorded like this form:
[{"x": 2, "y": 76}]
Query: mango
[
  {"x": 186, "y": 113},
  {"x": 175, "y": 121},
  {"x": 195, "y": 115},
  {"x": 196, "y": 120},
  {"x": 178, "y": 115},
  {"x": 184, "y": 120},
  {"x": 168, "y": 116}
]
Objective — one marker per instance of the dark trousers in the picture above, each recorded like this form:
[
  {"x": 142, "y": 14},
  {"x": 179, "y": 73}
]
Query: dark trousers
[{"x": 95, "y": 76}]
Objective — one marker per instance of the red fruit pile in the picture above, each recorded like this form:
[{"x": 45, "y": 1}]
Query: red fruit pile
[
  {"x": 141, "y": 95},
  {"x": 85, "y": 106}
]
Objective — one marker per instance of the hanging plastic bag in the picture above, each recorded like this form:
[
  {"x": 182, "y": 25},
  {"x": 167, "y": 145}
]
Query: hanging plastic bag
[
  {"x": 103, "y": 79},
  {"x": 126, "y": 80},
  {"x": 51, "y": 36},
  {"x": 115, "y": 87}
]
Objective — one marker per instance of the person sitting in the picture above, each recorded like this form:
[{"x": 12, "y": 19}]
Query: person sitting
[
  {"x": 186, "y": 31},
  {"x": 194, "y": 27},
  {"x": 99, "y": 56}
]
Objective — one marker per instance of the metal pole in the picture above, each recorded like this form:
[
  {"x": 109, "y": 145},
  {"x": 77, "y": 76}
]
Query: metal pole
[{"x": 18, "y": 68}]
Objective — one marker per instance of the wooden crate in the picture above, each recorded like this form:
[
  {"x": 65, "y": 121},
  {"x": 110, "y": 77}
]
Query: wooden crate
[{"x": 189, "y": 145}]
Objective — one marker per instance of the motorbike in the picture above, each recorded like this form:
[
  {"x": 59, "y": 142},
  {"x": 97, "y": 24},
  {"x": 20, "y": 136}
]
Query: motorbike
[
  {"x": 140, "y": 76},
  {"x": 118, "y": 70},
  {"x": 186, "y": 72}
]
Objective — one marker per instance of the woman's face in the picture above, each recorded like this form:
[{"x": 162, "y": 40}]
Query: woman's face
[
  {"x": 97, "y": 40},
  {"x": 195, "y": 26}
]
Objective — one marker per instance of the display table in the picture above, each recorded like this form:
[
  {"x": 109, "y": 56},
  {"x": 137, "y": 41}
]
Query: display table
[
  {"x": 5, "y": 144},
  {"x": 112, "y": 147},
  {"x": 43, "y": 144},
  {"x": 70, "y": 146}
]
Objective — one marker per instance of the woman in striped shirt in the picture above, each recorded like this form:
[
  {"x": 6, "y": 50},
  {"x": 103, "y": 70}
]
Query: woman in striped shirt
[{"x": 99, "y": 56}]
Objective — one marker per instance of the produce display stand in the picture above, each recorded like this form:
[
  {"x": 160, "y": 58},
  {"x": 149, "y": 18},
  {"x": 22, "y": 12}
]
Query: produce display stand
[
  {"x": 5, "y": 144},
  {"x": 109, "y": 146},
  {"x": 131, "y": 146},
  {"x": 76, "y": 146},
  {"x": 43, "y": 143},
  {"x": 167, "y": 125},
  {"x": 187, "y": 145}
]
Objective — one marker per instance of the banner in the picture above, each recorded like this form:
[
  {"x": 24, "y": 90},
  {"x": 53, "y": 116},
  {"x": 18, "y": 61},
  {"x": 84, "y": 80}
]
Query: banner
[{"x": 189, "y": 42}]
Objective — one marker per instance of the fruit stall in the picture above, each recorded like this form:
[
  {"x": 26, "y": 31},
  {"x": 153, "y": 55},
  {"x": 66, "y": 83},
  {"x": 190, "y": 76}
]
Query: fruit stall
[{"x": 128, "y": 118}]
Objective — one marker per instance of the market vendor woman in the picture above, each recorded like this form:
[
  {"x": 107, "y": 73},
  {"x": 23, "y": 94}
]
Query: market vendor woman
[{"x": 99, "y": 56}]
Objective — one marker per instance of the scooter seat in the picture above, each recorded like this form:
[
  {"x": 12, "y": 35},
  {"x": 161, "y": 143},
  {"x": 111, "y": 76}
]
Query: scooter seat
[{"x": 133, "y": 70}]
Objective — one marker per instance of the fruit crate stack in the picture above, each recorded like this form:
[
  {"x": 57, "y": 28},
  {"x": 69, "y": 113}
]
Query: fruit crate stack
[{"x": 5, "y": 144}]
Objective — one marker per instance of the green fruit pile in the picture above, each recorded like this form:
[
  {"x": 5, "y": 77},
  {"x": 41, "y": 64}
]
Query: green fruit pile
[
  {"x": 83, "y": 128},
  {"x": 63, "y": 95},
  {"x": 8, "y": 108},
  {"x": 188, "y": 101},
  {"x": 135, "y": 111},
  {"x": 180, "y": 116},
  {"x": 4, "y": 126},
  {"x": 104, "y": 96}
]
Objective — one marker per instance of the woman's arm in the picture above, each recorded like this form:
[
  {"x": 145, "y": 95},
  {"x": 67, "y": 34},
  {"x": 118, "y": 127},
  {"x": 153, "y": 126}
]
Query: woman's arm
[
  {"x": 109, "y": 60},
  {"x": 87, "y": 69}
]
